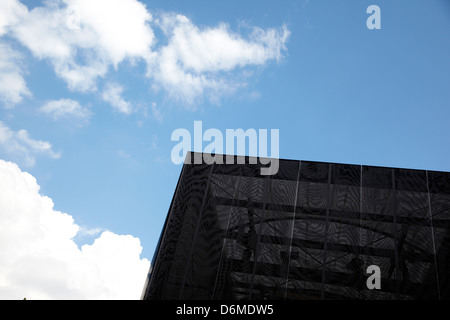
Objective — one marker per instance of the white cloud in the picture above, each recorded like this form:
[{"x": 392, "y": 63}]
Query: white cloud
[
  {"x": 84, "y": 40},
  {"x": 123, "y": 154},
  {"x": 112, "y": 93},
  {"x": 89, "y": 232},
  {"x": 194, "y": 61},
  {"x": 11, "y": 11},
  {"x": 157, "y": 113},
  {"x": 20, "y": 147},
  {"x": 40, "y": 260},
  {"x": 66, "y": 109},
  {"x": 254, "y": 95},
  {"x": 121, "y": 26},
  {"x": 13, "y": 87},
  {"x": 154, "y": 141},
  {"x": 219, "y": 49}
]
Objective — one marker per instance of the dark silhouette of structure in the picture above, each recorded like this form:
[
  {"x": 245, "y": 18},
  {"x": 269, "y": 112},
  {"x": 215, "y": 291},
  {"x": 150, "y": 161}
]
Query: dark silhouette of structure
[{"x": 308, "y": 232}]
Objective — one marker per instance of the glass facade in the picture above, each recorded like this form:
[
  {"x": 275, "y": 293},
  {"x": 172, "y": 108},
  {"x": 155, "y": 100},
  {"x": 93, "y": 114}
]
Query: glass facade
[{"x": 308, "y": 232}]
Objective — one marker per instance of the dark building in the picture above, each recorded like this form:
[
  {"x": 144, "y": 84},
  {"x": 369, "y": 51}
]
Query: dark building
[{"x": 308, "y": 232}]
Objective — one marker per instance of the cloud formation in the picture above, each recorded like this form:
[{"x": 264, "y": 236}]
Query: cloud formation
[
  {"x": 11, "y": 12},
  {"x": 40, "y": 260},
  {"x": 13, "y": 87},
  {"x": 66, "y": 109},
  {"x": 112, "y": 94},
  {"x": 18, "y": 145},
  {"x": 157, "y": 113},
  {"x": 84, "y": 40},
  {"x": 194, "y": 61}
]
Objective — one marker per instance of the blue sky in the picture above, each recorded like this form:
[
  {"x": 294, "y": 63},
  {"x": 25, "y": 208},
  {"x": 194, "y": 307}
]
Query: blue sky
[{"x": 337, "y": 91}]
